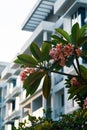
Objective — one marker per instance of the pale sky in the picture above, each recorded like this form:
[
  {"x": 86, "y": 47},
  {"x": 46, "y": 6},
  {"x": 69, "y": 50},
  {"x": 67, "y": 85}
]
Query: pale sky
[{"x": 12, "y": 15}]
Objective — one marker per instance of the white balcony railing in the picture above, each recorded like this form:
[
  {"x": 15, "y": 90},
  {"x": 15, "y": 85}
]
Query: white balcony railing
[
  {"x": 38, "y": 113},
  {"x": 58, "y": 5},
  {"x": 14, "y": 93},
  {"x": 13, "y": 116}
]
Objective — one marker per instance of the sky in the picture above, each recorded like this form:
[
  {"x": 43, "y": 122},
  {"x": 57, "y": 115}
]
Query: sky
[{"x": 12, "y": 16}]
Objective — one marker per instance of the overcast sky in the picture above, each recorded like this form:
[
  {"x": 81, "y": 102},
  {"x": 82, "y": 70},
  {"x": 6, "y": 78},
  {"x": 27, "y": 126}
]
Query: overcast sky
[{"x": 12, "y": 15}]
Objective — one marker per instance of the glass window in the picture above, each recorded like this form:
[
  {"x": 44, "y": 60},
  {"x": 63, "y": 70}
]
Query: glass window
[
  {"x": 82, "y": 11},
  {"x": 14, "y": 82},
  {"x": 37, "y": 103},
  {"x": 79, "y": 16},
  {"x": 62, "y": 100},
  {"x": 58, "y": 77},
  {"x": 13, "y": 105}
]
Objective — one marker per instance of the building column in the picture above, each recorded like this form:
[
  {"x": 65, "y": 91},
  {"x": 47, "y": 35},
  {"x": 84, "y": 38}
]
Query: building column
[
  {"x": 53, "y": 96},
  {"x": 45, "y": 36},
  {"x": 65, "y": 100},
  {"x": 44, "y": 39},
  {"x": 67, "y": 27},
  {"x": 22, "y": 113}
]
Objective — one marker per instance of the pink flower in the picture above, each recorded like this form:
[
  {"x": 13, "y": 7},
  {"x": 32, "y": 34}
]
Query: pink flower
[
  {"x": 62, "y": 59},
  {"x": 75, "y": 82},
  {"x": 59, "y": 46},
  {"x": 24, "y": 73},
  {"x": 62, "y": 62},
  {"x": 61, "y": 53},
  {"x": 51, "y": 53},
  {"x": 78, "y": 52},
  {"x": 68, "y": 50}
]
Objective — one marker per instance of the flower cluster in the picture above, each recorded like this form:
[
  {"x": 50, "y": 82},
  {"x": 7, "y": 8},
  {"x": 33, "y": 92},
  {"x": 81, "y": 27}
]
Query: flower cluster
[
  {"x": 24, "y": 73},
  {"x": 78, "y": 52},
  {"x": 61, "y": 53},
  {"x": 75, "y": 82}
]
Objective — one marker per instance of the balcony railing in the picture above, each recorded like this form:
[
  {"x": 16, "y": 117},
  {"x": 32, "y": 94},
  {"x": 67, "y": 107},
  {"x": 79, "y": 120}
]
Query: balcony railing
[
  {"x": 14, "y": 115},
  {"x": 38, "y": 113},
  {"x": 15, "y": 92}
]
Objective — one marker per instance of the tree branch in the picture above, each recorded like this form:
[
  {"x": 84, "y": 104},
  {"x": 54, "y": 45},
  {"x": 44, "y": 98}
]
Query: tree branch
[{"x": 64, "y": 73}]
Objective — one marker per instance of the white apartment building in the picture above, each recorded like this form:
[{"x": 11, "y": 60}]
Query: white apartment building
[
  {"x": 45, "y": 16},
  {"x": 2, "y": 83}
]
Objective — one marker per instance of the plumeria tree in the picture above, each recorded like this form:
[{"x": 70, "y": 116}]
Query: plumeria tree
[{"x": 63, "y": 50}]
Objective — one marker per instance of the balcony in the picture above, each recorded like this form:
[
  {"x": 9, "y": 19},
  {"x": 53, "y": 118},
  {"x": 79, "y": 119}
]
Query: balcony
[
  {"x": 38, "y": 112},
  {"x": 11, "y": 96},
  {"x": 37, "y": 35},
  {"x": 14, "y": 115},
  {"x": 7, "y": 72},
  {"x": 68, "y": 6},
  {"x": 16, "y": 67},
  {"x": 40, "y": 12}
]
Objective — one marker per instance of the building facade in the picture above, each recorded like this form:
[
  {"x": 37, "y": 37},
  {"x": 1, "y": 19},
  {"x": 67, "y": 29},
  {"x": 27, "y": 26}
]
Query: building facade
[
  {"x": 45, "y": 16},
  {"x": 2, "y": 85}
]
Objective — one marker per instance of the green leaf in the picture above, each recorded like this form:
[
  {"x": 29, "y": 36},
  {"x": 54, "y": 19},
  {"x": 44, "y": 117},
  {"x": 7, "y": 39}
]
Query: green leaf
[
  {"x": 78, "y": 92},
  {"x": 82, "y": 30},
  {"x": 83, "y": 91},
  {"x": 81, "y": 41},
  {"x": 84, "y": 53},
  {"x": 45, "y": 51},
  {"x": 59, "y": 39},
  {"x": 31, "y": 89},
  {"x": 75, "y": 33},
  {"x": 32, "y": 118},
  {"x": 32, "y": 77},
  {"x": 46, "y": 86},
  {"x": 18, "y": 61},
  {"x": 27, "y": 59},
  {"x": 32, "y": 82},
  {"x": 55, "y": 66},
  {"x": 83, "y": 71},
  {"x": 35, "y": 50},
  {"x": 63, "y": 34},
  {"x": 46, "y": 47}
]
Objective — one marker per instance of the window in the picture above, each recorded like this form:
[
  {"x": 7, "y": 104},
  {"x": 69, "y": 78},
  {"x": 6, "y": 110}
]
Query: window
[
  {"x": 83, "y": 15},
  {"x": 13, "y": 105},
  {"x": 62, "y": 100},
  {"x": 58, "y": 77},
  {"x": 79, "y": 16},
  {"x": 4, "y": 92},
  {"x": 14, "y": 82},
  {"x": 37, "y": 103}
]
